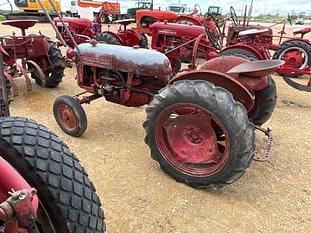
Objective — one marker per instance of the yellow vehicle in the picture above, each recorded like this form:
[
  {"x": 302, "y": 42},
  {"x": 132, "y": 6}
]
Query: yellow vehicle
[{"x": 34, "y": 6}]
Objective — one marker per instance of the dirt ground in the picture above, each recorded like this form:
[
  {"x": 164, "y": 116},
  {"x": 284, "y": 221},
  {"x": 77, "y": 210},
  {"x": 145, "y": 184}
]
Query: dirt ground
[{"x": 274, "y": 196}]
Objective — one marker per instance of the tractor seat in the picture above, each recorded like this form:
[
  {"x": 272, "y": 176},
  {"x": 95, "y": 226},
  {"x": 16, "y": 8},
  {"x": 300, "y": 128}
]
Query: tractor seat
[
  {"x": 302, "y": 31},
  {"x": 256, "y": 68},
  {"x": 252, "y": 32},
  {"x": 124, "y": 21},
  {"x": 21, "y": 24}
]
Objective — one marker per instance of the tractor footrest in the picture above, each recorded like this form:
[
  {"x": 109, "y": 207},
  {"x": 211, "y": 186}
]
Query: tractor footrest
[{"x": 266, "y": 155}]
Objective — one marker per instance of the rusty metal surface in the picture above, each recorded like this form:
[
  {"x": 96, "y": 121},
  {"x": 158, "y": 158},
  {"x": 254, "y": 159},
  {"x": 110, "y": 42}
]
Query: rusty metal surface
[
  {"x": 18, "y": 208},
  {"x": 39, "y": 70},
  {"x": 126, "y": 59},
  {"x": 239, "y": 92},
  {"x": 256, "y": 68},
  {"x": 22, "y": 24},
  {"x": 4, "y": 100}
]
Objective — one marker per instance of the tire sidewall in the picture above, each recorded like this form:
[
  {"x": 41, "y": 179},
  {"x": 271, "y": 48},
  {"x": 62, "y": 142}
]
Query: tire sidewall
[{"x": 221, "y": 113}]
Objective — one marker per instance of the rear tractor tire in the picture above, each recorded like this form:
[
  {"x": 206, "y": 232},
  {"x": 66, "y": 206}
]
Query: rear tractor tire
[
  {"x": 265, "y": 99},
  {"x": 107, "y": 38},
  {"x": 240, "y": 53},
  {"x": 69, "y": 115},
  {"x": 54, "y": 75},
  {"x": 300, "y": 47},
  {"x": 199, "y": 134},
  {"x": 265, "y": 102}
]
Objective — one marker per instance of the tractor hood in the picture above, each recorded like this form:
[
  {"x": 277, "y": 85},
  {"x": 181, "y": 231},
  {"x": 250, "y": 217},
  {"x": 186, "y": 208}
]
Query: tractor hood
[
  {"x": 73, "y": 22},
  {"x": 125, "y": 59},
  {"x": 178, "y": 30}
]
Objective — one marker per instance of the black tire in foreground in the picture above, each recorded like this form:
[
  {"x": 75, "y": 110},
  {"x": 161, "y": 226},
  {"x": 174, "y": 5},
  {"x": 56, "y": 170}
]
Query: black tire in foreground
[
  {"x": 265, "y": 100},
  {"x": 107, "y": 38},
  {"x": 227, "y": 119},
  {"x": 67, "y": 196},
  {"x": 70, "y": 115},
  {"x": 54, "y": 75}
]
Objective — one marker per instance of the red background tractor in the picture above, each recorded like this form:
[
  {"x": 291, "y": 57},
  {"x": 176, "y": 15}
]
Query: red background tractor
[
  {"x": 257, "y": 41},
  {"x": 38, "y": 54}
]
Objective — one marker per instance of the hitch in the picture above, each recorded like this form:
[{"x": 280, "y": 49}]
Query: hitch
[{"x": 17, "y": 211}]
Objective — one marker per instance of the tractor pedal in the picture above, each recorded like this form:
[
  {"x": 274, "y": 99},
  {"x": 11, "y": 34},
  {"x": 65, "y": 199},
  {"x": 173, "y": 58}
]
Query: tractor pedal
[{"x": 266, "y": 155}]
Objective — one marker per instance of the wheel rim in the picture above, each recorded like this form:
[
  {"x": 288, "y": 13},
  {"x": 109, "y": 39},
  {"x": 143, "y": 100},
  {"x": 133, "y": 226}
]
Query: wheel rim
[
  {"x": 67, "y": 117},
  {"x": 295, "y": 57},
  {"x": 192, "y": 139}
]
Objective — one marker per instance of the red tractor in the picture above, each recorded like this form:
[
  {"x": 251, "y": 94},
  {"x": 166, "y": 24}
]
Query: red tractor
[
  {"x": 38, "y": 54},
  {"x": 176, "y": 41},
  {"x": 145, "y": 18},
  {"x": 197, "y": 124},
  {"x": 84, "y": 30},
  {"x": 43, "y": 187},
  {"x": 256, "y": 42}
]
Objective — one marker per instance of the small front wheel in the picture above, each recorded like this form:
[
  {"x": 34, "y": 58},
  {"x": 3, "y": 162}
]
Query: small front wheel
[{"x": 70, "y": 115}]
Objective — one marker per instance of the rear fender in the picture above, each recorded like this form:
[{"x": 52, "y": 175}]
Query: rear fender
[
  {"x": 10, "y": 180},
  {"x": 189, "y": 19},
  {"x": 239, "y": 92},
  {"x": 247, "y": 48}
]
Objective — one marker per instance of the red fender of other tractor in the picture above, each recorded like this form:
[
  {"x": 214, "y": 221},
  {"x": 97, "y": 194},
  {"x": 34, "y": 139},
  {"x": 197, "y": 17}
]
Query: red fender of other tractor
[
  {"x": 239, "y": 92},
  {"x": 189, "y": 19},
  {"x": 247, "y": 48},
  {"x": 11, "y": 179}
]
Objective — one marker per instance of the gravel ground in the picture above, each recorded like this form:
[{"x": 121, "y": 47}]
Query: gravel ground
[{"x": 274, "y": 196}]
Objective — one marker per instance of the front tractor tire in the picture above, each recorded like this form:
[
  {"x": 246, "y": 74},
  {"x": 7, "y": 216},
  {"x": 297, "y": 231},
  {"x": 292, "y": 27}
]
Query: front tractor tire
[
  {"x": 55, "y": 73},
  {"x": 199, "y": 134},
  {"x": 68, "y": 199},
  {"x": 69, "y": 115}
]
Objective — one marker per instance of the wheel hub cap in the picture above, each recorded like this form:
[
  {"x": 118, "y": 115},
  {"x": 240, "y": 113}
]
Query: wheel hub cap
[{"x": 192, "y": 138}]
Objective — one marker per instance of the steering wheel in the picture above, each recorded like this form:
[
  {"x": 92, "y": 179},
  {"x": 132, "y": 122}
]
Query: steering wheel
[
  {"x": 234, "y": 17},
  {"x": 289, "y": 19},
  {"x": 212, "y": 31},
  {"x": 198, "y": 7}
]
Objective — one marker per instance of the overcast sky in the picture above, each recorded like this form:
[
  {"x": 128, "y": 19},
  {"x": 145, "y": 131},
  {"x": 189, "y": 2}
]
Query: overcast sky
[{"x": 260, "y": 6}]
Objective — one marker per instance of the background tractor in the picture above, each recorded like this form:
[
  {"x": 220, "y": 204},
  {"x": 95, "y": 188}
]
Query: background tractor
[
  {"x": 131, "y": 12},
  {"x": 34, "y": 54},
  {"x": 84, "y": 30},
  {"x": 197, "y": 124},
  {"x": 256, "y": 42}
]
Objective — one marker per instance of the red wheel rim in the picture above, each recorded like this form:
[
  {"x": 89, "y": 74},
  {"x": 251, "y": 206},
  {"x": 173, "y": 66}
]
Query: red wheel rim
[
  {"x": 67, "y": 117},
  {"x": 192, "y": 139}
]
